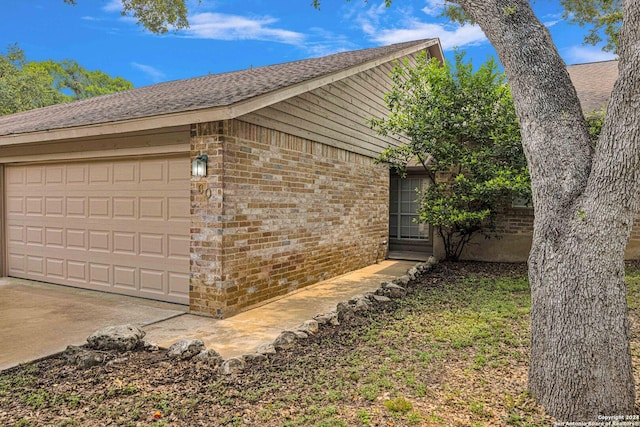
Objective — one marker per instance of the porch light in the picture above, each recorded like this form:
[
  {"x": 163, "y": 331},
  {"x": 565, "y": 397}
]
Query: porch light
[{"x": 199, "y": 165}]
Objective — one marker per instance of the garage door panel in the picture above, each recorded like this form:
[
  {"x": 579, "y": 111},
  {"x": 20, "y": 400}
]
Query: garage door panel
[
  {"x": 54, "y": 237},
  {"x": 15, "y": 205},
  {"x": 76, "y": 175},
  {"x": 16, "y": 263},
  {"x": 178, "y": 247},
  {"x": 15, "y": 176},
  {"x": 124, "y": 243},
  {"x": 99, "y": 241},
  {"x": 54, "y": 175},
  {"x": 35, "y": 236},
  {"x": 124, "y": 207},
  {"x": 34, "y": 176},
  {"x": 178, "y": 283},
  {"x": 35, "y": 266},
  {"x": 152, "y": 281},
  {"x": 77, "y": 271},
  {"x": 34, "y": 206},
  {"x": 54, "y": 206},
  {"x": 55, "y": 268},
  {"x": 76, "y": 239},
  {"x": 177, "y": 172},
  {"x": 99, "y": 274},
  {"x": 125, "y": 277},
  {"x": 152, "y": 208},
  {"x": 15, "y": 234},
  {"x": 152, "y": 172},
  {"x": 76, "y": 207},
  {"x": 117, "y": 225},
  {"x": 99, "y": 207},
  {"x": 178, "y": 208},
  {"x": 100, "y": 173}
]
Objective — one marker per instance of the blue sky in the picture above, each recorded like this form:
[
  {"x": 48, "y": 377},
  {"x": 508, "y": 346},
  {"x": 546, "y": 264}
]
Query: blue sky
[{"x": 227, "y": 35}]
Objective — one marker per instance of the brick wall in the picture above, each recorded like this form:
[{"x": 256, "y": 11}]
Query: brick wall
[
  {"x": 515, "y": 221},
  {"x": 515, "y": 228},
  {"x": 293, "y": 212},
  {"x": 206, "y": 294}
]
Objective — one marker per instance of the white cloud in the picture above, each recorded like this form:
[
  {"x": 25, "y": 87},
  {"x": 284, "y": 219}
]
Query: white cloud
[
  {"x": 321, "y": 42},
  {"x": 219, "y": 26},
  {"x": 450, "y": 35},
  {"x": 381, "y": 25},
  {"x": 551, "y": 23},
  {"x": 153, "y": 73},
  {"x": 433, "y": 7},
  {"x": 369, "y": 20},
  {"x": 113, "y": 6},
  {"x": 581, "y": 54}
]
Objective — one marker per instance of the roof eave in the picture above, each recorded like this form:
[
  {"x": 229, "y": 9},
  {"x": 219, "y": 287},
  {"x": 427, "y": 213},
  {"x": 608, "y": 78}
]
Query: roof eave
[{"x": 214, "y": 113}]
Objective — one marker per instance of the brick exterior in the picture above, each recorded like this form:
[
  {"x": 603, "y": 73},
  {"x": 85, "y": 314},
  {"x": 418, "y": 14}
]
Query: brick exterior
[
  {"x": 515, "y": 220},
  {"x": 515, "y": 228},
  {"x": 284, "y": 213}
]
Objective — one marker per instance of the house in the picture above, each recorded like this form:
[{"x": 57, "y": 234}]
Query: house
[
  {"x": 593, "y": 83},
  {"x": 220, "y": 192}
]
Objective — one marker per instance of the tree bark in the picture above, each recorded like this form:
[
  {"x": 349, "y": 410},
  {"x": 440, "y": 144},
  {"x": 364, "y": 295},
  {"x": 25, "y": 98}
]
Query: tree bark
[{"x": 585, "y": 202}]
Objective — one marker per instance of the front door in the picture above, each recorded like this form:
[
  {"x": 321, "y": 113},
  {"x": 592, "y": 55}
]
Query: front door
[{"x": 406, "y": 236}]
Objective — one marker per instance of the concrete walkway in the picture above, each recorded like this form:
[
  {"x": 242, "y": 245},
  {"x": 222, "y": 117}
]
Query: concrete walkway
[
  {"x": 245, "y": 332},
  {"x": 39, "y": 319}
]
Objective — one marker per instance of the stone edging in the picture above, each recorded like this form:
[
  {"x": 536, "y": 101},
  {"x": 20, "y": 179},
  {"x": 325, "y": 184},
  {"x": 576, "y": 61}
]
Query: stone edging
[{"x": 124, "y": 338}]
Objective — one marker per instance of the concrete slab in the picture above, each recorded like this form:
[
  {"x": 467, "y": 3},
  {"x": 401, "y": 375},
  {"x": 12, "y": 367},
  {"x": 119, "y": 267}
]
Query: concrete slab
[
  {"x": 245, "y": 332},
  {"x": 38, "y": 319}
]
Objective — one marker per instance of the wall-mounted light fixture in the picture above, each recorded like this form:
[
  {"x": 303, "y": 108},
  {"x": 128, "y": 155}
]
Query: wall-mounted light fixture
[{"x": 199, "y": 165}]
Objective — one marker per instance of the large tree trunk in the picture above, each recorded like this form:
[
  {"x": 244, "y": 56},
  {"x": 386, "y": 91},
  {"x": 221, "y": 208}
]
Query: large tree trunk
[{"x": 585, "y": 201}]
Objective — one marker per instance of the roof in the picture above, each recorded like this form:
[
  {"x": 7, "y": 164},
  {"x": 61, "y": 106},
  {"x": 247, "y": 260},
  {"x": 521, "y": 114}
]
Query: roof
[
  {"x": 207, "y": 92},
  {"x": 594, "y": 82}
]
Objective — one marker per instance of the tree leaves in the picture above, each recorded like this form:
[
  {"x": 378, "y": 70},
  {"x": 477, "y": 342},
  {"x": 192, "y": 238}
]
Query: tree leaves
[
  {"x": 604, "y": 16},
  {"x": 27, "y": 85},
  {"x": 157, "y": 16},
  {"x": 463, "y": 129}
]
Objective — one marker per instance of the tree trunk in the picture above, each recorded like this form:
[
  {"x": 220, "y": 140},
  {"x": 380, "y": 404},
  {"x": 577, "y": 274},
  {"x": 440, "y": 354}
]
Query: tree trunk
[{"x": 585, "y": 201}]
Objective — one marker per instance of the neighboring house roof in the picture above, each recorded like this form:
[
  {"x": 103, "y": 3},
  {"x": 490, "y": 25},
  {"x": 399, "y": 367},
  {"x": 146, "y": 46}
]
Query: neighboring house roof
[
  {"x": 206, "y": 93},
  {"x": 594, "y": 82}
]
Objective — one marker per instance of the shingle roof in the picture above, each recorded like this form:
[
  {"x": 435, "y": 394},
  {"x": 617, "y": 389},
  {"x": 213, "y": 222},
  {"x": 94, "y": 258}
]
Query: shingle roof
[
  {"x": 191, "y": 94},
  {"x": 594, "y": 82}
]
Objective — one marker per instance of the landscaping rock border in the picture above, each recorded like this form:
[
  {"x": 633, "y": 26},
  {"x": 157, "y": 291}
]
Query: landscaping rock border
[{"x": 124, "y": 338}]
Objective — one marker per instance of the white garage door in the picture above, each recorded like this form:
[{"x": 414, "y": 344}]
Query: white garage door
[{"x": 112, "y": 225}]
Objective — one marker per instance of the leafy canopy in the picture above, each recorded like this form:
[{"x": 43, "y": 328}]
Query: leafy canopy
[
  {"x": 27, "y": 85},
  {"x": 24, "y": 85},
  {"x": 604, "y": 16},
  {"x": 462, "y": 128},
  {"x": 157, "y": 16}
]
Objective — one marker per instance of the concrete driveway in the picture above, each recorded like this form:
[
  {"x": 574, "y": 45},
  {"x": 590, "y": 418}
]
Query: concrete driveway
[{"x": 37, "y": 319}]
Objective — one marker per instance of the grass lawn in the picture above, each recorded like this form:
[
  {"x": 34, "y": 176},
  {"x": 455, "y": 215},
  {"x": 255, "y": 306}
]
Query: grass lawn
[{"x": 454, "y": 352}]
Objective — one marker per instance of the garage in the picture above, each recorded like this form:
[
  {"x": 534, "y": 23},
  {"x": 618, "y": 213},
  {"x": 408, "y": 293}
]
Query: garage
[{"x": 116, "y": 225}]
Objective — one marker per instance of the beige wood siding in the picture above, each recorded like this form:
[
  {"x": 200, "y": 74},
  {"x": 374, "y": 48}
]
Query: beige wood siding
[
  {"x": 336, "y": 114},
  {"x": 165, "y": 141},
  {"x": 120, "y": 226}
]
